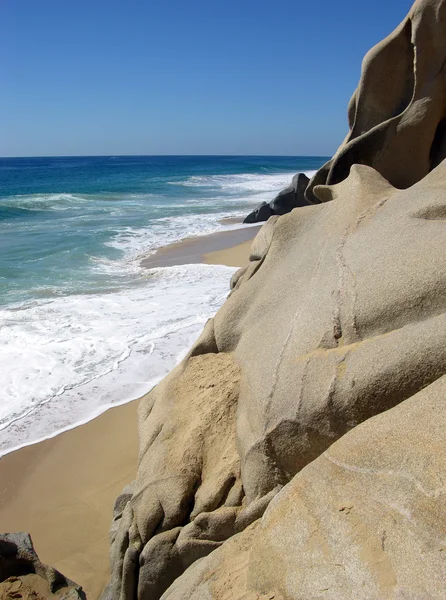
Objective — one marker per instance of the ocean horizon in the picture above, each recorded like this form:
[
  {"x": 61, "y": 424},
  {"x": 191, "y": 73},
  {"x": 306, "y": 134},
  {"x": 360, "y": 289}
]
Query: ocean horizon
[{"x": 83, "y": 326}]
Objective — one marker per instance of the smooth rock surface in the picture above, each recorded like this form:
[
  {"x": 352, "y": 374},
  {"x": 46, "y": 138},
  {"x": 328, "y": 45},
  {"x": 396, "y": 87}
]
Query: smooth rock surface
[
  {"x": 262, "y": 213},
  {"x": 364, "y": 521},
  {"x": 291, "y": 197},
  {"x": 397, "y": 114}
]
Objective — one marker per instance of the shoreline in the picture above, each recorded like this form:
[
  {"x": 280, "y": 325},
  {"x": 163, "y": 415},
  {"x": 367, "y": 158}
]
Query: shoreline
[
  {"x": 74, "y": 477},
  {"x": 228, "y": 248},
  {"x": 195, "y": 250}
]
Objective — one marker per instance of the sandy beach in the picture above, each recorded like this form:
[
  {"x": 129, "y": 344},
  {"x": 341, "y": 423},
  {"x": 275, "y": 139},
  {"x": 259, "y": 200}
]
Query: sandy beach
[
  {"x": 62, "y": 490},
  {"x": 229, "y": 248}
]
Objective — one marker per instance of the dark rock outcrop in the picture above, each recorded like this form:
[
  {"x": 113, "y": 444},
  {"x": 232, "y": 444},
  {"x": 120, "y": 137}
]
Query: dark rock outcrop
[
  {"x": 22, "y": 575},
  {"x": 262, "y": 213},
  {"x": 291, "y": 197}
]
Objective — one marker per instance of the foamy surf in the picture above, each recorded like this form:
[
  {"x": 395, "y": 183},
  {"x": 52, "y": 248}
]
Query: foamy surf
[
  {"x": 66, "y": 360},
  {"x": 248, "y": 191},
  {"x": 82, "y": 326},
  {"x": 242, "y": 182}
]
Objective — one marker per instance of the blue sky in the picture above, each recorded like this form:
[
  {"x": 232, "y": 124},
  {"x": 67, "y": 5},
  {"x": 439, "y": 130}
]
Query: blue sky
[{"x": 182, "y": 77}]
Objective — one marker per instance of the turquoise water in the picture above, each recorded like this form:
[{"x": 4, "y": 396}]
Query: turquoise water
[
  {"x": 65, "y": 222},
  {"x": 82, "y": 326}
]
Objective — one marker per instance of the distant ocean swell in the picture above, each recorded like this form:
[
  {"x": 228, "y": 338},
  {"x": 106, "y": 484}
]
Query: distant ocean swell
[{"x": 82, "y": 326}]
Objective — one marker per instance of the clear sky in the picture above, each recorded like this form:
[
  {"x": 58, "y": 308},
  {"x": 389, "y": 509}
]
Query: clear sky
[{"x": 85, "y": 77}]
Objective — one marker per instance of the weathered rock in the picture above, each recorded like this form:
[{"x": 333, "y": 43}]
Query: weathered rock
[
  {"x": 333, "y": 353},
  {"x": 340, "y": 315},
  {"x": 196, "y": 401},
  {"x": 397, "y": 115},
  {"x": 364, "y": 521},
  {"x": 356, "y": 334},
  {"x": 261, "y": 213},
  {"x": 22, "y": 575},
  {"x": 259, "y": 250}
]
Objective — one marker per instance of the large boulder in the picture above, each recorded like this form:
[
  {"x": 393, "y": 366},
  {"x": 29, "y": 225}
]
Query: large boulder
[
  {"x": 292, "y": 196},
  {"x": 22, "y": 575},
  {"x": 339, "y": 316},
  {"x": 364, "y": 521},
  {"x": 262, "y": 213}
]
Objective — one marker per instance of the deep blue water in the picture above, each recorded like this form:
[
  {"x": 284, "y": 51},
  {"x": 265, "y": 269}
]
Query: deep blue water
[{"x": 132, "y": 174}]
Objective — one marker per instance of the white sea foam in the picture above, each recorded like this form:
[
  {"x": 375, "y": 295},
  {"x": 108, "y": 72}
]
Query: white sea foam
[
  {"x": 68, "y": 359},
  {"x": 246, "y": 182},
  {"x": 167, "y": 230}
]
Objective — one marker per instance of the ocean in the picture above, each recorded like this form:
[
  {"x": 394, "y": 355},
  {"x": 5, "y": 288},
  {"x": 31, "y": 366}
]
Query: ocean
[{"x": 82, "y": 326}]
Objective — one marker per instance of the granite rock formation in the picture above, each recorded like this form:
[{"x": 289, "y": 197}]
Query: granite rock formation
[
  {"x": 339, "y": 316},
  {"x": 364, "y": 520},
  {"x": 22, "y": 575}
]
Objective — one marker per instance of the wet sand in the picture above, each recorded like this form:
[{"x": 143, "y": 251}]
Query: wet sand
[{"x": 196, "y": 249}]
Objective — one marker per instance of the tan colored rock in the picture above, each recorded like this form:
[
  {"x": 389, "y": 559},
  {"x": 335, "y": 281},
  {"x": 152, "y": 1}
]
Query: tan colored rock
[
  {"x": 328, "y": 332},
  {"x": 345, "y": 318},
  {"x": 339, "y": 316},
  {"x": 189, "y": 467},
  {"x": 259, "y": 250},
  {"x": 397, "y": 115},
  {"x": 364, "y": 521}
]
